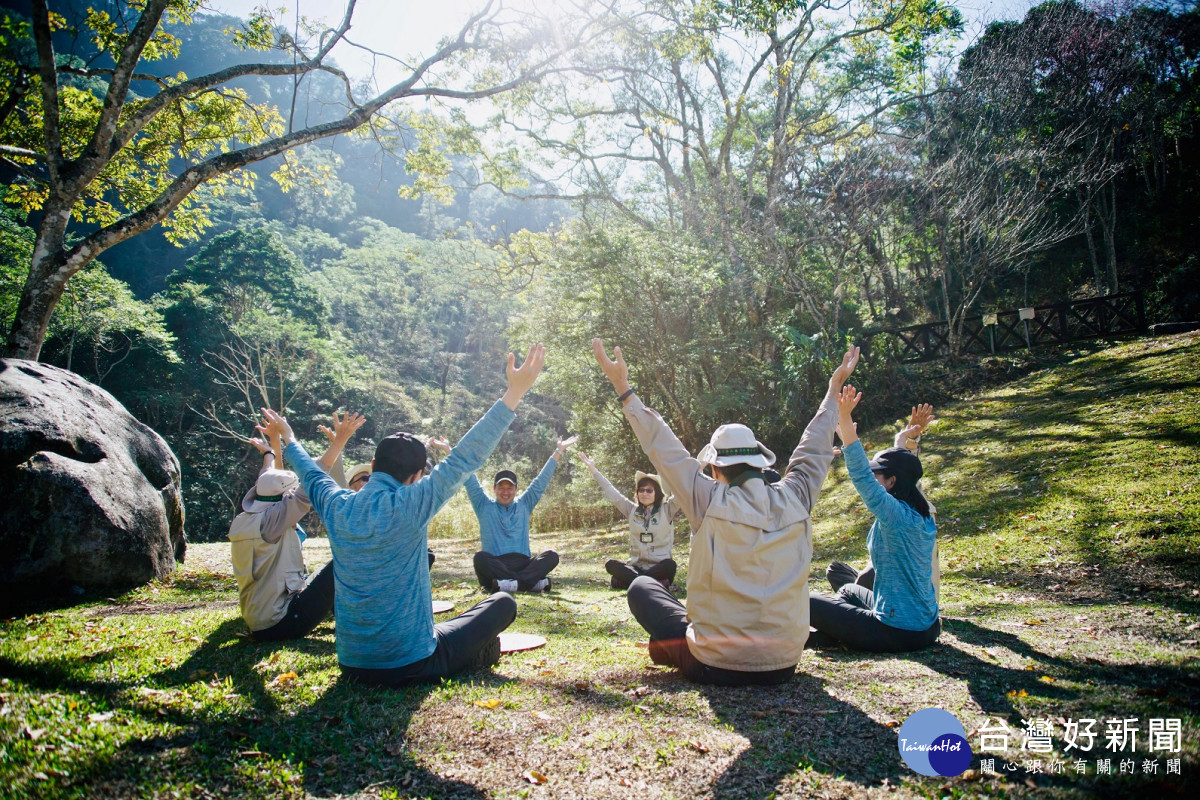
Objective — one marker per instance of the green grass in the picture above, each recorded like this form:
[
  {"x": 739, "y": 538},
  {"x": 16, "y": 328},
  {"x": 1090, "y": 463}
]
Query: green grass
[{"x": 1069, "y": 516}]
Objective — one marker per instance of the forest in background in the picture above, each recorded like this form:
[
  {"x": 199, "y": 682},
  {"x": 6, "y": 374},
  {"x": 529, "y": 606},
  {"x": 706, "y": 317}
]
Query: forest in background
[{"x": 731, "y": 220}]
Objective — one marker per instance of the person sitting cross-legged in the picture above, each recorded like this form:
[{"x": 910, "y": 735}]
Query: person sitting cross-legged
[
  {"x": 746, "y": 619},
  {"x": 278, "y": 600},
  {"x": 651, "y": 516},
  {"x": 840, "y": 573},
  {"x": 379, "y": 537},
  {"x": 900, "y": 612},
  {"x": 505, "y": 562}
]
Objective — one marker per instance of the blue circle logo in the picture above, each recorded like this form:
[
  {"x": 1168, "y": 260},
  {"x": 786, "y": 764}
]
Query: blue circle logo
[{"x": 933, "y": 742}]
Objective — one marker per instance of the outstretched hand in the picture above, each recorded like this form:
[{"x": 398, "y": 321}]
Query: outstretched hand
[
  {"x": 847, "y": 400},
  {"x": 921, "y": 417},
  {"x": 585, "y": 458},
  {"x": 615, "y": 369},
  {"x": 438, "y": 443},
  {"x": 563, "y": 445},
  {"x": 279, "y": 425},
  {"x": 849, "y": 362},
  {"x": 521, "y": 378},
  {"x": 260, "y": 444},
  {"x": 344, "y": 426}
]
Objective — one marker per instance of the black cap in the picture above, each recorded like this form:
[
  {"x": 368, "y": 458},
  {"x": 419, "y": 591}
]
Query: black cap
[
  {"x": 505, "y": 475},
  {"x": 900, "y": 462},
  {"x": 400, "y": 455}
]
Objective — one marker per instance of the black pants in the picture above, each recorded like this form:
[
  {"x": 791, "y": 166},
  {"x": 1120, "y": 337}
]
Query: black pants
[
  {"x": 306, "y": 610},
  {"x": 469, "y": 641},
  {"x": 665, "y": 619},
  {"x": 847, "y": 618},
  {"x": 624, "y": 573},
  {"x": 840, "y": 573},
  {"x": 523, "y": 569}
]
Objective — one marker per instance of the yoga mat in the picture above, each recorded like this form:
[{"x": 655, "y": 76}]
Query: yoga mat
[
  {"x": 442, "y": 606},
  {"x": 515, "y": 642}
]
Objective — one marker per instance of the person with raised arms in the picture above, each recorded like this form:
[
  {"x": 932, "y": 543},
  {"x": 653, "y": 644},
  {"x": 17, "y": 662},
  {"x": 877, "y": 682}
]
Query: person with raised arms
[
  {"x": 900, "y": 612},
  {"x": 505, "y": 561},
  {"x": 651, "y": 518},
  {"x": 746, "y": 619},
  {"x": 385, "y": 630},
  {"x": 278, "y": 599}
]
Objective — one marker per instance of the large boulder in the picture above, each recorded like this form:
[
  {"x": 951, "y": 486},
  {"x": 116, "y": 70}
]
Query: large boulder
[{"x": 94, "y": 498}]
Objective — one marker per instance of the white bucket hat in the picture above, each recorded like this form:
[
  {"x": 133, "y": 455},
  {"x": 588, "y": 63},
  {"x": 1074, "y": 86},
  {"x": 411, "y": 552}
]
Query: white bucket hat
[
  {"x": 639, "y": 476},
  {"x": 357, "y": 472},
  {"x": 735, "y": 444},
  {"x": 271, "y": 483}
]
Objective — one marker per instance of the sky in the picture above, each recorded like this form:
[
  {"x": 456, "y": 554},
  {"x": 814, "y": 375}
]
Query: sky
[{"x": 405, "y": 27}]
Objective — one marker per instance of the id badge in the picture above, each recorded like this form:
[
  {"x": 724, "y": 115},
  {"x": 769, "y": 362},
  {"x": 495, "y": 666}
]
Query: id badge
[{"x": 646, "y": 537}]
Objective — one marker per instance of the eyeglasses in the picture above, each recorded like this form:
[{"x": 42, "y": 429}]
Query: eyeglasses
[
  {"x": 646, "y": 490},
  {"x": 360, "y": 479}
]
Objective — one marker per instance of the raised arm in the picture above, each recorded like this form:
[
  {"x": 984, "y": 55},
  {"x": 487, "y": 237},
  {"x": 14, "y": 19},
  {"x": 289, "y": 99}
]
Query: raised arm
[
  {"x": 537, "y": 487},
  {"x": 315, "y": 482},
  {"x": 622, "y": 503},
  {"x": 344, "y": 427},
  {"x": 810, "y": 461},
  {"x": 693, "y": 489},
  {"x": 918, "y": 422}
]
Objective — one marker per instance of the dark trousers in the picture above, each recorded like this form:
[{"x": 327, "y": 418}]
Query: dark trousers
[
  {"x": 469, "y": 641},
  {"x": 665, "y": 619},
  {"x": 840, "y": 573},
  {"x": 306, "y": 610},
  {"x": 624, "y": 573},
  {"x": 847, "y": 618},
  {"x": 523, "y": 569}
]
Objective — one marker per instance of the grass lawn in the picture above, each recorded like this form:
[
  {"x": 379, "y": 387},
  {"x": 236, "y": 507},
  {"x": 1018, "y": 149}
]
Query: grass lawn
[{"x": 1069, "y": 515}]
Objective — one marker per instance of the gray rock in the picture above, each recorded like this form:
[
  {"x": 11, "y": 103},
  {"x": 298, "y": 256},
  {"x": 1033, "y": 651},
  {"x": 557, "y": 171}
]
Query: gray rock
[{"x": 93, "y": 497}]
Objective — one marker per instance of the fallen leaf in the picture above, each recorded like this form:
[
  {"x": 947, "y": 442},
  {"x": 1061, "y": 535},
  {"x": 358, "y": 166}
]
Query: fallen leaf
[
  {"x": 33, "y": 734},
  {"x": 107, "y": 715},
  {"x": 544, "y": 717},
  {"x": 285, "y": 678},
  {"x": 581, "y": 686},
  {"x": 1047, "y": 679},
  {"x": 643, "y": 709},
  {"x": 891, "y": 723},
  {"x": 1034, "y": 622},
  {"x": 793, "y": 711},
  {"x": 758, "y": 714},
  {"x": 1016, "y": 693},
  {"x": 534, "y": 777},
  {"x": 489, "y": 703},
  {"x": 698, "y": 747}
]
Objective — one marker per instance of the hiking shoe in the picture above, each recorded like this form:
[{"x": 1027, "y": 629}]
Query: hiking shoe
[
  {"x": 509, "y": 586},
  {"x": 541, "y": 586},
  {"x": 488, "y": 655}
]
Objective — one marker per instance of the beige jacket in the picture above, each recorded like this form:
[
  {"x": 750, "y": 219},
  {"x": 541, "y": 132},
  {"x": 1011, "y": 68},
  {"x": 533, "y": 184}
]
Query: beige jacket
[
  {"x": 747, "y": 588},
  {"x": 267, "y": 562},
  {"x": 658, "y": 528}
]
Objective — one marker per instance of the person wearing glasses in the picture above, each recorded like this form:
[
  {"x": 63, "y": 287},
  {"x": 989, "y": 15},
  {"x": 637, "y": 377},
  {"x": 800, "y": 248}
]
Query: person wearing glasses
[
  {"x": 385, "y": 633},
  {"x": 651, "y": 516}
]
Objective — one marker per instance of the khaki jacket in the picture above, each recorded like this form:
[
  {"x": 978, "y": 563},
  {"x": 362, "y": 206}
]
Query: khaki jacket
[
  {"x": 658, "y": 528},
  {"x": 747, "y": 588},
  {"x": 268, "y": 574}
]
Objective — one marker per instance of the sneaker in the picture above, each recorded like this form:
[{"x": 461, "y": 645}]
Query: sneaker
[
  {"x": 488, "y": 655},
  {"x": 506, "y": 586},
  {"x": 541, "y": 586}
]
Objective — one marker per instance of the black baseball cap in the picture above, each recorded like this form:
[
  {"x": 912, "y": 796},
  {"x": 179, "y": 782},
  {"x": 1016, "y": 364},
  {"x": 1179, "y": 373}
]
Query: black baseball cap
[
  {"x": 400, "y": 455},
  {"x": 505, "y": 475},
  {"x": 900, "y": 462}
]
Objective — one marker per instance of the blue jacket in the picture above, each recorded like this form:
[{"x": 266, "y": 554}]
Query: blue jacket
[
  {"x": 901, "y": 545},
  {"x": 505, "y": 529},
  {"x": 379, "y": 536}
]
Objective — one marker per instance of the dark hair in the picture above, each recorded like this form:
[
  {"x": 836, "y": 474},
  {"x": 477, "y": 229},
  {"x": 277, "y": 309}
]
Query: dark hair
[
  {"x": 400, "y": 455},
  {"x": 907, "y": 493},
  {"x": 734, "y": 471},
  {"x": 658, "y": 493}
]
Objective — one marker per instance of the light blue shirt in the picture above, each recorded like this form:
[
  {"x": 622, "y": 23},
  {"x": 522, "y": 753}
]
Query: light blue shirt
[
  {"x": 505, "y": 529},
  {"x": 900, "y": 543},
  {"x": 379, "y": 538}
]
